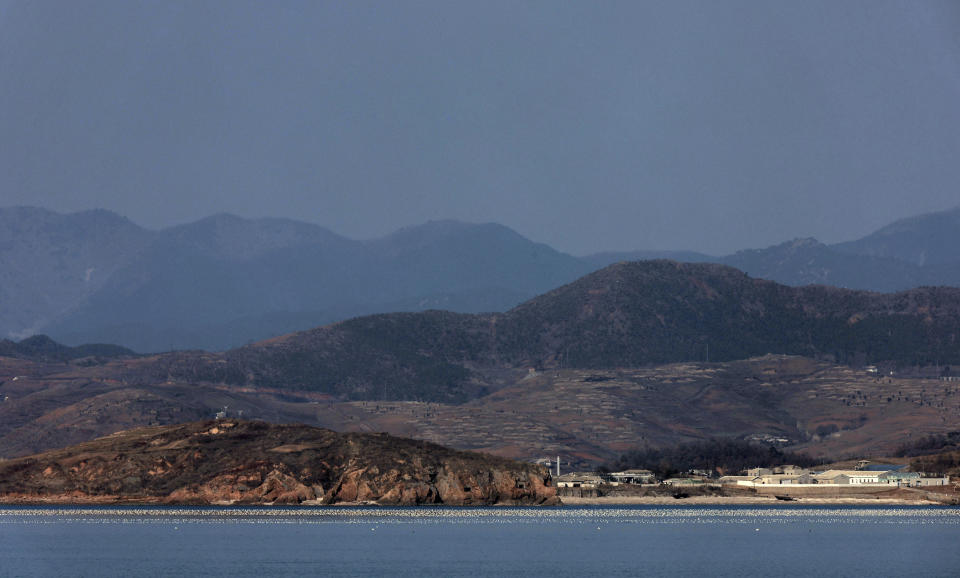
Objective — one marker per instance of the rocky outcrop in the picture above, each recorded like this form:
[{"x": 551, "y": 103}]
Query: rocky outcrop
[
  {"x": 244, "y": 462},
  {"x": 455, "y": 482}
]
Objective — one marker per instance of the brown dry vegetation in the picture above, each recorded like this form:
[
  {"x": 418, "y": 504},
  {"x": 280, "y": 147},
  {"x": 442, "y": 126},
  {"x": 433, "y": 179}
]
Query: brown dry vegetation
[
  {"x": 232, "y": 461},
  {"x": 626, "y": 315},
  {"x": 587, "y": 371},
  {"x": 587, "y": 416}
]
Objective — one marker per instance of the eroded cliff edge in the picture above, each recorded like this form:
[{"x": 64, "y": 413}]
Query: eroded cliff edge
[{"x": 251, "y": 462}]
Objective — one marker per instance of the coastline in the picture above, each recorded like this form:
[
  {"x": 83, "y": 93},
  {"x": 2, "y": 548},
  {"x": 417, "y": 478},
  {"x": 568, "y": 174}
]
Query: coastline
[
  {"x": 736, "y": 501},
  {"x": 697, "y": 496},
  {"x": 564, "y": 501}
]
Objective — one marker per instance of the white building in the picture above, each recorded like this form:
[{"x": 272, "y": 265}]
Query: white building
[{"x": 852, "y": 477}]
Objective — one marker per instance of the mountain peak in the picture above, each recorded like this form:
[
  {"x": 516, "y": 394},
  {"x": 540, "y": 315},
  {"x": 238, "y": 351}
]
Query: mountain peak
[
  {"x": 804, "y": 243},
  {"x": 448, "y": 228},
  {"x": 233, "y": 237}
]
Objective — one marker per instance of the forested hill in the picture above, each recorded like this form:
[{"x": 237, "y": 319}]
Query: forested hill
[
  {"x": 663, "y": 311},
  {"x": 628, "y": 314}
]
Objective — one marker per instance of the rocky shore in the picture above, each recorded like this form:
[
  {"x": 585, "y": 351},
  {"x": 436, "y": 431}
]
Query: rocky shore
[{"x": 249, "y": 462}]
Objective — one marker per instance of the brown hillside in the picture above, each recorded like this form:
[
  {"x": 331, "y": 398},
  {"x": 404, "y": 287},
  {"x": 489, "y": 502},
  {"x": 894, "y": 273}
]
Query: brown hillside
[
  {"x": 233, "y": 461},
  {"x": 626, "y": 315},
  {"x": 588, "y": 416}
]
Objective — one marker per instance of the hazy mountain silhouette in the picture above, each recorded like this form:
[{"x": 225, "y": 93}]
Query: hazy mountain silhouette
[
  {"x": 807, "y": 261},
  {"x": 926, "y": 240},
  {"x": 913, "y": 252},
  {"x": 224, "y": 281}
]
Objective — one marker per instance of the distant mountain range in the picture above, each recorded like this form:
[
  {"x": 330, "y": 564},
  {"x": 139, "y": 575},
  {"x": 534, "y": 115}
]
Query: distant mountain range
[
  {"x": 224, "y": 281},
  {"x": 913, "y": 252}
]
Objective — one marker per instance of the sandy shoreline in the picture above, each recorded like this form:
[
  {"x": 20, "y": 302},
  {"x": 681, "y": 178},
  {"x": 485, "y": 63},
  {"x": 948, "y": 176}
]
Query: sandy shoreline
[{"x": 732, "y": 500}]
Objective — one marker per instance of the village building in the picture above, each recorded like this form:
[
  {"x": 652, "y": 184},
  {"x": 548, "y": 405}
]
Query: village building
[
  {"x": 784, "y": 479},
  {"x": 578, "y": 484},
  {"x": 933, "y": 481},
  {"x": 859, "y": 477},
  {"x": 844, "y": 477},
  {"x": 631, "y": 477},
  {"x": 901, "y": 478},
  {"x": 925, "y": 481},
  {"x": 579, "y": 480}
]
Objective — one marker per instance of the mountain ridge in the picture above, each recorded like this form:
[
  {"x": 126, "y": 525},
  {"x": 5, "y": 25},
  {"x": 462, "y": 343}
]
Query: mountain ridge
[
  {"x": 183, "y": 286},
  {"x": 626, "y": 315},
  {"x": 224, "y": 281},
  {"x": 927, "y": 239}
]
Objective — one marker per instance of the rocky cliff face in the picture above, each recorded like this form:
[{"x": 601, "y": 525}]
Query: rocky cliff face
[{"x": 232, "y": 461}]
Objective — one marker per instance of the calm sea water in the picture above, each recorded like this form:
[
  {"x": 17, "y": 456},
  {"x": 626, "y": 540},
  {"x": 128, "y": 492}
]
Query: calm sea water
[{"x": 566, "y": 541}]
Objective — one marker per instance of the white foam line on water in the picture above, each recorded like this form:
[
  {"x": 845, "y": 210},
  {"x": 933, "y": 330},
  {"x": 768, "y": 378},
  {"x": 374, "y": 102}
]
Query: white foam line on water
[{"x": 495, "y": 515}]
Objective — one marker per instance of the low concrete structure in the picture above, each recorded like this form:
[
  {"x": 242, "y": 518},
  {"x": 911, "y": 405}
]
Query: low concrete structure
[
  {"x": 940, "y": 481},
  {"x": 578, "y": 484},
  {"x": 631, "y": 477},
  {"x": 900, "y": 478},
  {"x": 579, "y": 480},
  {"x": 880, "y": 480},
  {"x": 733, "y": 480},
  {"x": 784, "y": 479},
  {"x": 843, "y": 477}
]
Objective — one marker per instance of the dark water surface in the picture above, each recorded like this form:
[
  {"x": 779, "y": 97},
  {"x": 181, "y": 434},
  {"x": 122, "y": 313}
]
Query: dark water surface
[{"x": 566, "y": 541}]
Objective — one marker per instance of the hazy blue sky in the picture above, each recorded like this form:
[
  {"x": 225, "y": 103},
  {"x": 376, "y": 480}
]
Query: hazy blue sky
[{"x": 593, "y": 125}]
